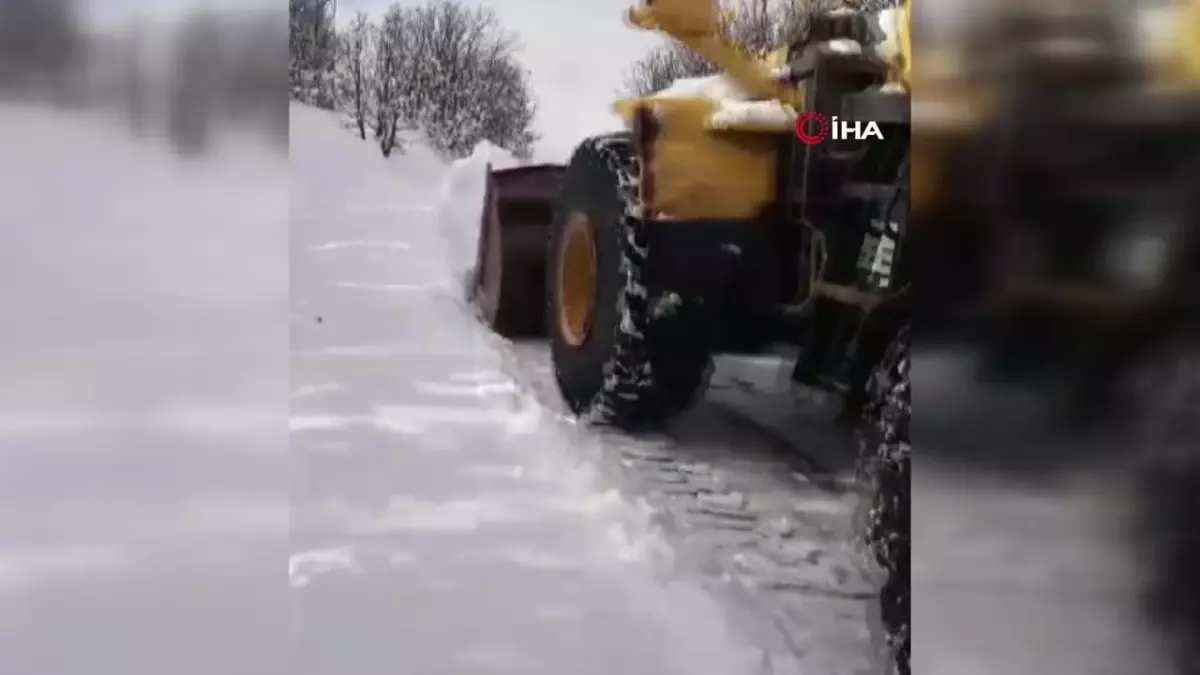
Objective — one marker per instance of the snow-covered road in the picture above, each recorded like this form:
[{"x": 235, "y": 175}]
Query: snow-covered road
[{"x": 448, "y": 519}]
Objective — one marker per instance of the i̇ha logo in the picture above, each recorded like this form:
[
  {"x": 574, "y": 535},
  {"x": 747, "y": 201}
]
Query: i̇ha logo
[{"x": 812, "y": 128}]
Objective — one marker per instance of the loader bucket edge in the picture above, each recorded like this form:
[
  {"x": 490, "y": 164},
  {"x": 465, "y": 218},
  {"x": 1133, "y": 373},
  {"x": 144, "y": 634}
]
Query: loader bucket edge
[{"x": 509, "y": 275}]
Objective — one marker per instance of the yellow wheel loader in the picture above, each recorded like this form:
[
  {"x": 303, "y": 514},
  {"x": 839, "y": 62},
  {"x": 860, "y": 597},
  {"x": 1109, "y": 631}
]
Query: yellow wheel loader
[
  {"x": 711, "y": 226},
  {"x": 768, "y": 203}
]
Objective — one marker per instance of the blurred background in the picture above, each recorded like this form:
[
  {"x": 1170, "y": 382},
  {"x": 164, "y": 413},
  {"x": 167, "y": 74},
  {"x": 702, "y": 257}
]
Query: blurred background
[
  {"x": 178, "y": 69},
  {"x": 144, "y": 388}
]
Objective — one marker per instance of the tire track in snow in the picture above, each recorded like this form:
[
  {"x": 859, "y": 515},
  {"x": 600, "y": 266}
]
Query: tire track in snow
[{"x": 768, "y": 531}]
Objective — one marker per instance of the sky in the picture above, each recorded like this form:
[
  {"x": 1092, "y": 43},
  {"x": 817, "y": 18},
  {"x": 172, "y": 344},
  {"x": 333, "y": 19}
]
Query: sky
[{"x": 577, "y": 52}]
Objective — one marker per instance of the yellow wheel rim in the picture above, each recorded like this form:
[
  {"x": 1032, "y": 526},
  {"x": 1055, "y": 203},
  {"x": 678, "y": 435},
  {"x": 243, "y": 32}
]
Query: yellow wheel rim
[{"x": 576, "y": 293}]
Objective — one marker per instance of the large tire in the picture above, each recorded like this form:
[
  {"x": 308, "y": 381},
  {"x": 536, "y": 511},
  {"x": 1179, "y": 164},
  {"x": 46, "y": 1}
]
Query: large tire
[
  {"x": 1167, "y": 506},
  {"x": 885, "y": 470},
  {"x": 638, "y": 365},
  {"x": 1167, "y": 526}
]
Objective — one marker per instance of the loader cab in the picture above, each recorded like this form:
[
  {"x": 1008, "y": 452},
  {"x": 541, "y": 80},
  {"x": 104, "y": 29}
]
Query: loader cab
[
  {"x": 846, "y": 86},
  {"x": 846, "y": 198}
]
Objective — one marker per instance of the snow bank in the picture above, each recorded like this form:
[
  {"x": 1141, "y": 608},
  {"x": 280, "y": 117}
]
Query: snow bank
[
  {"x": 325, "y": 131},
  {"x": 412, "y": 167},
  {"x": 415, "y": 163},
  {"x": 411, "y": 171},
  {"x": 718, "y": 87},
  {"x": 460, "y": 202},
  {"x": 751, "y": 114}
]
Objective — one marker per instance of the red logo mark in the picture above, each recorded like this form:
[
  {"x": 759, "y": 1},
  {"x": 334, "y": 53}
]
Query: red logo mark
[{"x": 805, "y": 130}]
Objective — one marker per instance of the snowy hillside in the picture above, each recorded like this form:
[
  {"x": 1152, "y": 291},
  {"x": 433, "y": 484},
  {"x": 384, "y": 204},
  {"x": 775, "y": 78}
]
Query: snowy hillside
[{"x": 458, "y": 185}]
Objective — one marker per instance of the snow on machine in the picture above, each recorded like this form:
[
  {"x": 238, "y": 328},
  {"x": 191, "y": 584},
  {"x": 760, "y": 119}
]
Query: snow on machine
[{"x": 710, "y": 227}]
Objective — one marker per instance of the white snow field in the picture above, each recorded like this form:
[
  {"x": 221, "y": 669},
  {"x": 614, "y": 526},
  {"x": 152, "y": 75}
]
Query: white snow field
[{"x": 448, "y": 518}]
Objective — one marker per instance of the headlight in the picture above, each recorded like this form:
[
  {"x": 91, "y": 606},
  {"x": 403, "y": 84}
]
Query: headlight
[
  {"x": 1154, "y": 32},
  {"x": 1138, "y": 257}
]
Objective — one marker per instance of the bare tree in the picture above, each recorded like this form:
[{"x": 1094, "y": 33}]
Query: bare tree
[
  {"x": 42, "y": 45},
  {"x": 663, "y": 65},
  {"x": 392, "y": 73},
  {"x": 413, "y": 87},
  {"x": 196, "y": 83},
  {"x": 133, "y": 77},
  {"x": 451, "y": 71},
  {"x": 352, "y": 71},
  {"x": 311, "y": 49},
  {"x": 756, "y": 26},
  {"x": 476, "y": 90},
  {"x": 501, "y": 109},
  {"x": 252, "y": 62}
]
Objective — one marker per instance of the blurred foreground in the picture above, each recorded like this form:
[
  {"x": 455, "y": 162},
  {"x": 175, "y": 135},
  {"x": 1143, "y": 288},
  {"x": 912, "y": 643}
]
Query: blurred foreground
[{"x": 1057, "y": 248}]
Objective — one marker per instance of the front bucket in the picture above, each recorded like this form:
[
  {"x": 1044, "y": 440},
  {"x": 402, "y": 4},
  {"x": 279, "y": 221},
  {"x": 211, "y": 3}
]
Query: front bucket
[{"x": 509, "y": 279}]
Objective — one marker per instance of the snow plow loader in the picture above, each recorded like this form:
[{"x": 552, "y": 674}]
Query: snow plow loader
[
  {"x": 1052, "y": 190},
  {"x": 711, "y": 225},
  {"x": 1055, "y": 180},
  {"x": 765, "y": 204}
]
